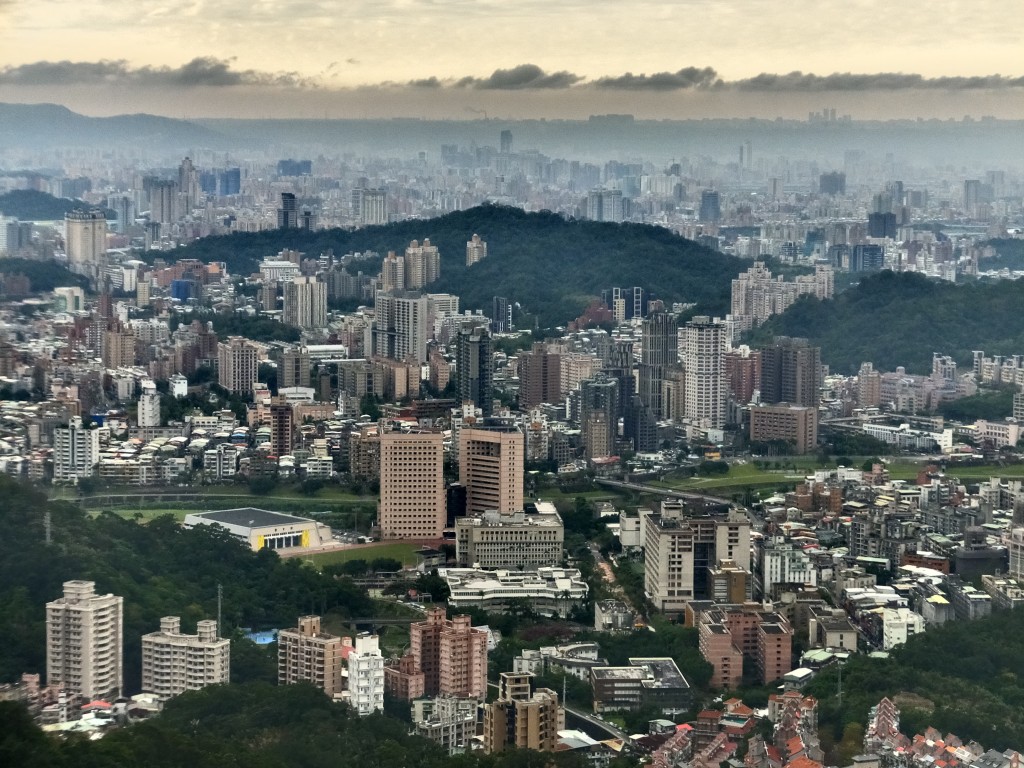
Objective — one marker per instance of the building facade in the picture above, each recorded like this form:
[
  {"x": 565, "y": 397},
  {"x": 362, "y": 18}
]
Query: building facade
[
  {"x": 452, "y": 655},
  {"x": 173, "y": 662},
  {"x": 491, "y": 465},
  {"x": 366, "y": 675},
  {"x": 412, "y": 498},
  {"x": 307, "y": 654},
  {"x": 85, "y": 642}
]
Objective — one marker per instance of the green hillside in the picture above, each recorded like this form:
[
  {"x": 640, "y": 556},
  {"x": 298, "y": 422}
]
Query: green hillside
[
  {"x": 901, "y": 319},
  {"x": 30, "y": 205},
  {"x": 550, "y": 265}
]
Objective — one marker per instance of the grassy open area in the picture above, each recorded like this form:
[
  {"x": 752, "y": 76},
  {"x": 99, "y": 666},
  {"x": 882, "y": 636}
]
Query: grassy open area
[
  {"x": 145, "y": 515},
  {"x": 399, "y": 550}
]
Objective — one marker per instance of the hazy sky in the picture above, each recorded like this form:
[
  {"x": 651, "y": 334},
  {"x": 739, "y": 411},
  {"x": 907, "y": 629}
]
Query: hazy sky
[{"x": 359, "y": 57}]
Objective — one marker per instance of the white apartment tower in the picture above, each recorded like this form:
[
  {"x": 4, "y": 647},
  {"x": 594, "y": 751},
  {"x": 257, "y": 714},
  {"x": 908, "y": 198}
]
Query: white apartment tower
[
  {"x": 76, "y": 451},
  {"x": 476, "y": 250},
  {"x": 238, "y": 362},
  {"x": 305, "y": 303},
  {"x": 149, "y": 405},
  {"x": 366, "y": 675},
  {"x": 401, "y": 326},
  {"x": 412, "y": 500},
  {"x": 173, "y": 663},
  {"x": 703, "y": 356},
  {"x": 84, "y": 642}
]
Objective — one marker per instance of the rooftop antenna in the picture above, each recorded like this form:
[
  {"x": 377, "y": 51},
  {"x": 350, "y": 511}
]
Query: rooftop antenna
[{"x": 220, "y": 599}]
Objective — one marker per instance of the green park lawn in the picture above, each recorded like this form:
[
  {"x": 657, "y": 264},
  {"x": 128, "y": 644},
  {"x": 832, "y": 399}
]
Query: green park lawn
[{"x": 399, "y": 550}]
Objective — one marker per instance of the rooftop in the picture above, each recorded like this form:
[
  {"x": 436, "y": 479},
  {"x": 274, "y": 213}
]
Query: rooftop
[{"x": 250, "y": 517}]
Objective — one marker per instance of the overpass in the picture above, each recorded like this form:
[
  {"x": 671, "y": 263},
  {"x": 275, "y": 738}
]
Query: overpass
[{"x": 658, "y": 490}]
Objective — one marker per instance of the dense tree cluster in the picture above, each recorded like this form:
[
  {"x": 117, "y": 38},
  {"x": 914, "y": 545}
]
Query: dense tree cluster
[
  {"x": 901, "y": 319},
  {"x": 32, "y": 205},
  {"x": 42, "y": 275}
]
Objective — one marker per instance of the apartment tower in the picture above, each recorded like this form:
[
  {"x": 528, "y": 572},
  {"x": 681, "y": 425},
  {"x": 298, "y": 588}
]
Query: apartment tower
[
  {"x": 451, "y": 654},
  {"x": 173, "y": 662},
  {"x": 306, "y": 654},
  {"x": 238, "y": 362},
  {"x": 85, "y": 642}
]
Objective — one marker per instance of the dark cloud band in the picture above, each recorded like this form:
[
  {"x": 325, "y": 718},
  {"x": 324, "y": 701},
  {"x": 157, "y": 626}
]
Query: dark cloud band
[{"x": 205, "y": 71}]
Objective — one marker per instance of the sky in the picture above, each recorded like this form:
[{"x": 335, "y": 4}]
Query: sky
[{"x": 467, "y": 59}]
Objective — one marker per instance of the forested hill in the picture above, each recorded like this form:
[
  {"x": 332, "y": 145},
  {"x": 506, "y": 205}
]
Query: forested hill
[
  {"x": 30, "y": 205},
  {"x": 550, "y": 265},
  {"x": 901, "y": 319}
]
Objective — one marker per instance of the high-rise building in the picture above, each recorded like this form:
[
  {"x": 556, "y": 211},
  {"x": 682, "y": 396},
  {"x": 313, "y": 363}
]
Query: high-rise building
[
  {"x": 305, "y": 303},
  {"x": 163, "y": 202},
  {"x": 188, "y": 186},
  {"x": 451, "y": 653},
  {"x": 370, "y": 206},
  {"x": 522, "y": 717},
  {"x": 85, "y": 642},
  {"x": 149, "y": 405},
  {"x": 119, "y": 347},
  {"x": 710, "y": 206},
  {"x": 173, "y": 662},
  {"x": 86, "y": 241},
  {"x": 704, "y": 347},
  {"x": 599, "y": 410},
  {"x": 282, "y": 427},
  {"x": 422, "y": 265},
  {"x": 238, "y": 364},
  {"x": 306, "y": 654},
  {"x": 793, "y": 424},
  {"x": 366, "y": 675},
  {"x": 743, "y": 373},
  {"x": 501, "y": 315},
  {"x": 412, "y": 498},
  {"x": 605, "y": 205},
  {"x": 659, "y": 349},
  {"x": 474, "y": 368},
  {"x": 506, "y": 142},
  {"x": 400, "y": 326},
  {"x": 491, "y": 456},
  {"x": 392, "y": 272},
  {"x": 76, "y": 451},
  {"x": 540, "y": 376},
  {"x": 869, "y": 386},
  {"x": 288, "y": 213},
  {"x": 682, "y": 549},
  {"x": 791, "y": 372},
  {"x": 476, "y": 250},
  {"x": 294, "y": 369}
]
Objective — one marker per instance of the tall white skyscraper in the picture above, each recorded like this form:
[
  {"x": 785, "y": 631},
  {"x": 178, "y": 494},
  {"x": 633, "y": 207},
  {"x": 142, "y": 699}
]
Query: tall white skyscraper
[
  {"x": 400, "y": 326},
  {"x": 84, "y": 642},
  {"x": 366, "y": 675},
  {"x": 305, "y": 303},
  {"x": 149, "y": 405},
  {"x": 76, "y": 451},
  {"x": 705, "y": 385}
]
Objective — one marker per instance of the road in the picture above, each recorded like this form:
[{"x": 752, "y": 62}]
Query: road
[{"x": 662, "y": 491}]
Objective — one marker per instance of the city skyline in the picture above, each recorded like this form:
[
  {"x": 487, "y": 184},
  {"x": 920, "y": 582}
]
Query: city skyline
[{"x": 562, "y": 59}]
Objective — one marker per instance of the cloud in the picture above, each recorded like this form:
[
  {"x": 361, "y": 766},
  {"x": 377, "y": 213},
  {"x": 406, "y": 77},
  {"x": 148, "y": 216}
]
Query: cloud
[
  {"x": 688, "y": 77},
  {"x": 203, "y": 71},
  {"x": 883, "y": 81},
  {"x": 522, "y": 77}
]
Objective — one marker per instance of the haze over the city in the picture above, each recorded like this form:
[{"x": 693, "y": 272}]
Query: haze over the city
[{"x": 522, "y": 59}]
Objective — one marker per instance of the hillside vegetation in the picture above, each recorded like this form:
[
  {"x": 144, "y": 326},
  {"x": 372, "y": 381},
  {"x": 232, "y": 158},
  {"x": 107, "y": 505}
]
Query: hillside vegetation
[
  {"x": 30, "y": 205},
  {"x": 552, "y": 266},
  {"x": 901, "y": 319}
]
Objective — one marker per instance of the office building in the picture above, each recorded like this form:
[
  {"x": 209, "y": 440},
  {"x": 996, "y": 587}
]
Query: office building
[
  {"x": 422, "y": 265},
  {"x": 474, "y": 368},
  {"x": 173, "y": 662},
  {"x": 710, "y": 206},
  {"x": 238, "y": 363},
  {"x": 491, "y": 466},
  {"x": 400, "y": 326},
  {"x": 412, "y": 497},
  {"x": 452, "y": 655},
  {"x": 650, "y": 682},
  {"x": 501, "y": 315},
  {"x": 599, "y": 411},
  {"x": 524, "y": 539},
  {"x": 476, "y": 250},
  {"x": 796, "y": 425},
  {"x": 522, "y": 717},
  {"x": 85, "y": 642},
  {"x": 659, "y": 349},
  {"x": 86, "y": 241},
  {"x": 540, "y": 376},
  {"x": 305, "y": 303},
  {"x": 307, "y": 654},
  {"x": 791, "y": 372},
  {"x": 703, "y": 356},
  {"x": 549, "y": 591},
  {"x": 366, "y": 675},
  {"x": 294, "y": 370},
  {"x": 76, "y": 451},
  {"x": 682, "y": 548},
  {"x": 288, "y": 213}
]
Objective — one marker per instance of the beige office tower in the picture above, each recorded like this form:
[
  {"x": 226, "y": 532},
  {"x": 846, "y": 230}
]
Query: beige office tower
[
  {"x": 491, "y": 466},
  {"x": 173, "y": 663},
  {"x": 522, "y": 718},
  {"x": 306, "y": 654},
  {"x": 305, "y": 303},
  {"x": 476, "y": 250},
  {"x": 85, "y": 241},
  {"x": 85, "y": 642},
  {"x": 452, "y": 655},
  {"x": 412, "y": 501},
  {"x": 422, "y": 265},
  {"x": 238, "y": 363}
]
